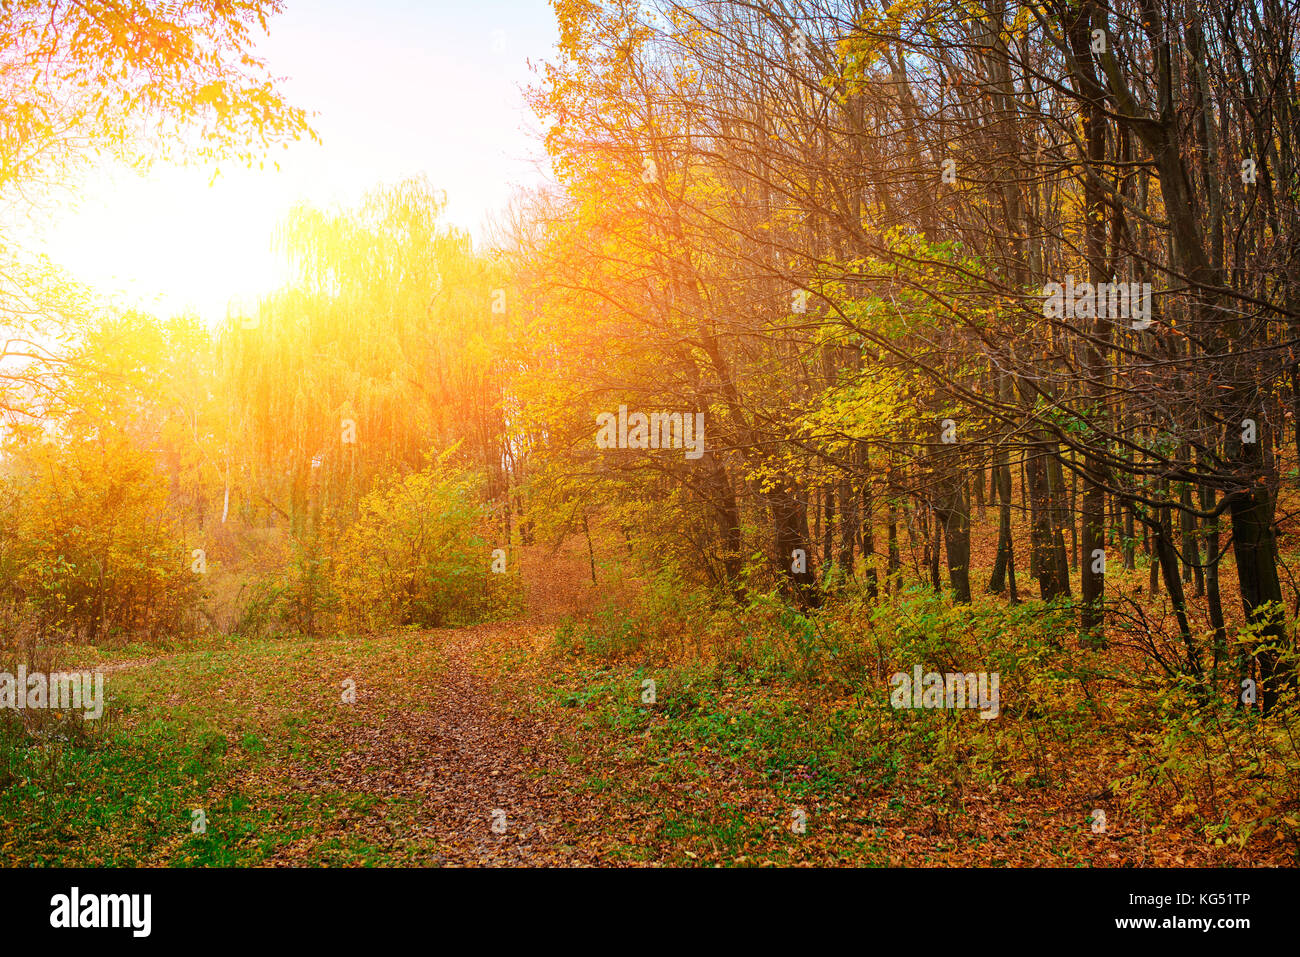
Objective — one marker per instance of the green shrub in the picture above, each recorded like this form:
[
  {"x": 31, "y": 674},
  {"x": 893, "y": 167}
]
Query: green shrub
[{"x": 418, "y": 555}]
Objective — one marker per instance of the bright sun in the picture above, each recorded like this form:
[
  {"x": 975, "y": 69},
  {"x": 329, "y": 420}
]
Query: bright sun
[{"x": 173, "y": 241}]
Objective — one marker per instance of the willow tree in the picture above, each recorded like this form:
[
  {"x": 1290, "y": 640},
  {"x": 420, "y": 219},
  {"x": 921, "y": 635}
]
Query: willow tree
[{"x": 379, "y": 351}]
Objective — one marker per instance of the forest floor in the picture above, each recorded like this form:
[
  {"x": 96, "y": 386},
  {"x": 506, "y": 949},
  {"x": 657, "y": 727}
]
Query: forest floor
[{"x": 488, "y": 745}]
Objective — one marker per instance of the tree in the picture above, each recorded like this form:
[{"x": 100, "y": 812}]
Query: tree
[{"x": 133, "y": 81}]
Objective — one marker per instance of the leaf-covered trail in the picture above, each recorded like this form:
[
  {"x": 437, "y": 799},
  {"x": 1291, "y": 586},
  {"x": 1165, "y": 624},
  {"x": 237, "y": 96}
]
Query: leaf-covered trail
[
  {"x": 459, "y": 774},
  {"x": 490, "y": 783}
]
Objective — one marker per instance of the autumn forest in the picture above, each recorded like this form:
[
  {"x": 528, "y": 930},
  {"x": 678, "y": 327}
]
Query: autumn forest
[{"x": 874, "y": 442}]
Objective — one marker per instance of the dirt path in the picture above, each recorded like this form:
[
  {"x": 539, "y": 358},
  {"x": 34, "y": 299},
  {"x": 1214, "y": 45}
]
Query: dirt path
[{"x": 489, "y": 786}]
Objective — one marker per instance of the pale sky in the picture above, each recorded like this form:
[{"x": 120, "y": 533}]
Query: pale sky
[{"x": 399, "y": 87}]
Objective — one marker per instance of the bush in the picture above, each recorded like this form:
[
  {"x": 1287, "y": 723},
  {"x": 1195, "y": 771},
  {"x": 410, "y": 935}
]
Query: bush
[
  {"x": 657, "y": 620},
  {"x": 87, "y": 551},
  {"x": 417, "y": 555}
]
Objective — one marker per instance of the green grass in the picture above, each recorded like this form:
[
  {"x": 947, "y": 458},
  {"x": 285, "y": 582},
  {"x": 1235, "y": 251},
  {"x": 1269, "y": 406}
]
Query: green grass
[{"x": 219, "y": 730}]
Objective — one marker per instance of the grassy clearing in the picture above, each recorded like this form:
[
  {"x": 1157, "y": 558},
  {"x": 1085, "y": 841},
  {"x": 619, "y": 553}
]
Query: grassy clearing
[{"x": 224, "y": 731}]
